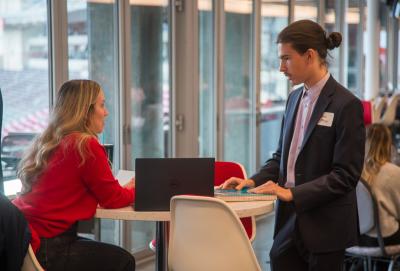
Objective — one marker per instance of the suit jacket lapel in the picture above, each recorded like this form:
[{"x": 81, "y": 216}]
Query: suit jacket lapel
[
  {"x": 290, "y": 117},
  {"x": 322, "y": 103}
]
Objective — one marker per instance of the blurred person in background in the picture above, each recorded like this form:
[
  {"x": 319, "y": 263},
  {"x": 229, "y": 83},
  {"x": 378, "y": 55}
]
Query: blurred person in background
[{"x": 383, "y": 178}]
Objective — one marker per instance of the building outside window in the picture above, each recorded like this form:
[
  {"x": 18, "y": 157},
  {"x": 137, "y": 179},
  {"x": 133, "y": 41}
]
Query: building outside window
[{"x": 24, "y": 77}]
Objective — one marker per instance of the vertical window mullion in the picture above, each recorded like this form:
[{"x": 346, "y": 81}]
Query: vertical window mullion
[
  {"x": 256, "y": 88},
  {"x": 219, "y": 45},
  {"x": 58, "y": 41},
  {"x": 124, "y": 83}
]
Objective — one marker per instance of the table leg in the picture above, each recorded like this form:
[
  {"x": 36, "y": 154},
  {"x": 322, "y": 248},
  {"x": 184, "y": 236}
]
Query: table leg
[{"x": 161, "y": 246}]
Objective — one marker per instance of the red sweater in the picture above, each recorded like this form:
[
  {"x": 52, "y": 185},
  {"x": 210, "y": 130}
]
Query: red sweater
[{"x": 66, "y": 192}]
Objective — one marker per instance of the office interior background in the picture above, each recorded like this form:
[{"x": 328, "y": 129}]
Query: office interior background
[{"x": 182, "y": 78}]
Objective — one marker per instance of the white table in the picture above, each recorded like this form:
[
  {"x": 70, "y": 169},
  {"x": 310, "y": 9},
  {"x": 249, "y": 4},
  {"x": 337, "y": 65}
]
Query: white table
[
  {"x": 12, "y": 187},
  {"x": 242, "y": 209}
]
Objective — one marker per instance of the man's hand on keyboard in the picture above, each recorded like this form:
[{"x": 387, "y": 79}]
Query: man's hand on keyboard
[
  {"x": 237, "y": 183},
  {"x": 271, "y": 187}
]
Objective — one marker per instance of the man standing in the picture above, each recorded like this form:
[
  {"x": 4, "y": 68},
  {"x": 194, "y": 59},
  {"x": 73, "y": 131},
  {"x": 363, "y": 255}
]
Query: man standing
[{"x": 318, "y": 161}]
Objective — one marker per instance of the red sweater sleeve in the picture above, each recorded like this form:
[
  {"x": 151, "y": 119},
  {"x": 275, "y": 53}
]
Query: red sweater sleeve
[{"x": 97, "y": 175}]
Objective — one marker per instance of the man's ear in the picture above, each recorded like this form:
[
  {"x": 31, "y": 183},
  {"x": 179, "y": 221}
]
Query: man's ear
[{"x": 310, "y": 54}]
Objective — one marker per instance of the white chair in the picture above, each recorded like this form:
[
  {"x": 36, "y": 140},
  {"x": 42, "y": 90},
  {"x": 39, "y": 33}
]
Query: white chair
[
  {"x": 30, "y": 262},
  {"x": 206, "y": 234},
  {"x": 378, "y": 105},
  {"x": 223, "y": 171},
  {"x": 390, "y": 114}
]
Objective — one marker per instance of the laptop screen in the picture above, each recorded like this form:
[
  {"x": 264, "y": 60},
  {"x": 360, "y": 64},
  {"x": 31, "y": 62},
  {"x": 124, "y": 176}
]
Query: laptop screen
[{"x": 159, "y": 179}]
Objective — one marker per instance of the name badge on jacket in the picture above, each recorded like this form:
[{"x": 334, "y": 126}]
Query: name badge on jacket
[{"x": 326, "y": 119}]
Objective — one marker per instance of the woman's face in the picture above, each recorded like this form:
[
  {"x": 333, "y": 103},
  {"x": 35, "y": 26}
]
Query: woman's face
[
  {"x": 295, "y": 66},
  {"x": 98, "y": 114}
]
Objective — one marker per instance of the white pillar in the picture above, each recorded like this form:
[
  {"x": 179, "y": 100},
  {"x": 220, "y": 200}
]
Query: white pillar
[{"x": 372, "y": 51}]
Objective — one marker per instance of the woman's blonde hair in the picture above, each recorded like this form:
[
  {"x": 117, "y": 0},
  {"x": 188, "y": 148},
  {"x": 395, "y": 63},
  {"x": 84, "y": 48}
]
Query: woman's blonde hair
[
  {"x": 378, "y": 147},
  {"x": 74, "y": 105}
]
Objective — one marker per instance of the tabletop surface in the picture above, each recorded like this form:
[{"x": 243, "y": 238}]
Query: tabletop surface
[{"x": 242, "y": 209}]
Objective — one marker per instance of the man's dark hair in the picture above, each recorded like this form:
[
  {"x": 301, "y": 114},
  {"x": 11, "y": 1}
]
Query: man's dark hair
[{"x": 306, "y": 34}]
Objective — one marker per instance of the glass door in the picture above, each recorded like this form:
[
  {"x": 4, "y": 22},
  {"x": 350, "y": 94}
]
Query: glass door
[{"x": 150, "y": 94}]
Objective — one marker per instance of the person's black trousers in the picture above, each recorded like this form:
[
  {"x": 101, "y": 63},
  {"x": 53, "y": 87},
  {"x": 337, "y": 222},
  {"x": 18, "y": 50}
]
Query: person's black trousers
[
  {"x": 288, "y": 252},
  {"x": 71, "y": 252}
]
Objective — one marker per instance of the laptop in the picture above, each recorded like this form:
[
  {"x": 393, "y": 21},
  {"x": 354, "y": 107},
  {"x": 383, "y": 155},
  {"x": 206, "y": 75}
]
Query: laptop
[{"x": 159, "y": 179}]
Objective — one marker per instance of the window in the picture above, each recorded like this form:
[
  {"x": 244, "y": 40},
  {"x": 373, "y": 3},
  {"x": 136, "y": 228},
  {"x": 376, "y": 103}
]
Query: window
[
  {"x": 150, "y": 92},
  {"x": 355, "y": 53},
  {"x": 274, "y": 86},
  {"x": 331, "y": 24},
  {"x": 206, "y": 79},
  {"x": 383, "y": 48},
  {"x": 92, "y": 55},
  {"x": 237, "y": 76},
  {"x": 23, "y": 77},
  {"x": 306, "y": 9}
]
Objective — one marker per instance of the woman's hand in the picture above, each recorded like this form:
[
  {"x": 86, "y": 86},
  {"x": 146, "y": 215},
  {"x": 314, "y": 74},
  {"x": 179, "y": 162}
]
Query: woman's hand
[
  {"x": 270, "y": 187},
  {"x": 237, "y": 183},
  {"x": 130, "y": 184}
]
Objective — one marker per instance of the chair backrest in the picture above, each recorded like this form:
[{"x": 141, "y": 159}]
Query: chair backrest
[
  {"x": 206, "y": 234},
  {"x": 365, "y": 207},
  {"x": 368, "y": 212},
  {"x": 390, "y": 113},
  {"x": 223, "y": 170},
  {"x": 379, "y": 106},
  {"x": 110, "y": 153},
  {"x": 368, "y": 112},
  {"x": 13, "y": 146},
  {"x": 30, "y": 262}
]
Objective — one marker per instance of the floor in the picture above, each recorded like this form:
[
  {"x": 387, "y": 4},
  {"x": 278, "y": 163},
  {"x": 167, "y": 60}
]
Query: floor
[{"x": 261, "y": 245}]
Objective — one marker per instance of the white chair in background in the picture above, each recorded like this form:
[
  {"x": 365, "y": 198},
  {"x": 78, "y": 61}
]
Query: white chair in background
[
  {"x": 206, "y": 234},
  {"x": 30, "y": 262},
  {"x": 378, "y": 105},
  {"x": 390, "y": 113}
]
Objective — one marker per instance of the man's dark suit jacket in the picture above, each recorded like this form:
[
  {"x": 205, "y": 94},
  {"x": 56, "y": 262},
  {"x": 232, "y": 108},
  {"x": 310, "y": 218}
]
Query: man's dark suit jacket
[{"x": 327, "y": 169}]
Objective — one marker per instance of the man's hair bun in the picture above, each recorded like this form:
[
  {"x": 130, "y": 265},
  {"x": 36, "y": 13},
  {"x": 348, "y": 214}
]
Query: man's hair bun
[{"x": 334, "y": 40}]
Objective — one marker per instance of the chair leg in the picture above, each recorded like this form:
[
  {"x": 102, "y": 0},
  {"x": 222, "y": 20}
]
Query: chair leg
[
  {"x": 369, "y": 262},
  {"x": 365, "y": 264},
  {"x": 348, "y": 263},
  {"x": 391, "y": 264},
  {"x": 357, "y": 263}
]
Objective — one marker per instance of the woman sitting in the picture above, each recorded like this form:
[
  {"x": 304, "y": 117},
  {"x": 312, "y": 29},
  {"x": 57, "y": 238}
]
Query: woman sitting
[
  {"x": 384, "y": 180},
  {"x": 65, "y": 175}
]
